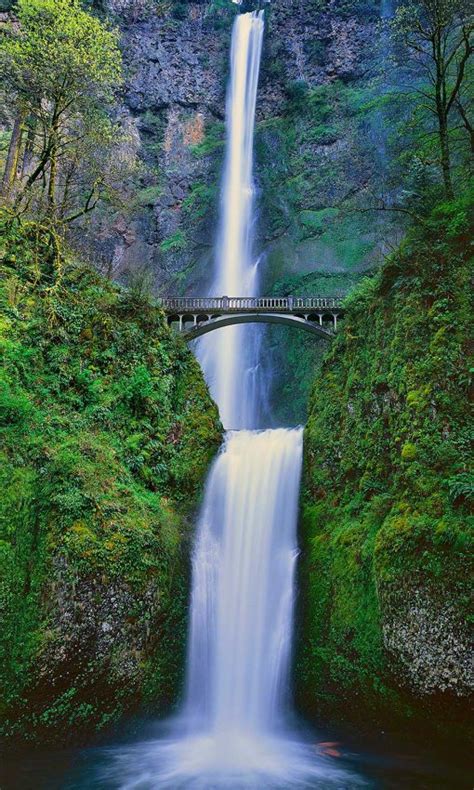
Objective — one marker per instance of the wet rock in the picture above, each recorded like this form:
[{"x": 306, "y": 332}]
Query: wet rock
[{"x": 428, "y": 644}]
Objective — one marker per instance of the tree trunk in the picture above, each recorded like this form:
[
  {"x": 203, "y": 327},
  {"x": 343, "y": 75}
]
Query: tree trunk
[
  {"x": 28, "y": 152},
  {"x": 11, "y": 165},
  {"x": 52, "y": 178},
  {"x": 445, "y": 156},
  {"x": 467, "y": 124},
  {"x": 442, "y": 107},
  {"x": 53, "y": 163}
]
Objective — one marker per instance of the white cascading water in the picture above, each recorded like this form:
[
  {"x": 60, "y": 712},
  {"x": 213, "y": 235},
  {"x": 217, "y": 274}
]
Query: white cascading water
[
  {"x": 231, "y": 732},
  {"x": 230, "y": 357},
  {"x": 242, "y": 598}
]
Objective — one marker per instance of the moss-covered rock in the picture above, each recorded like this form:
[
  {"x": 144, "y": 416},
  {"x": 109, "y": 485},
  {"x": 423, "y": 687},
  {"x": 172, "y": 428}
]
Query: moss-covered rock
[
  {"x": 386, "y": 518},
  {"x": 106, "y": 430}
]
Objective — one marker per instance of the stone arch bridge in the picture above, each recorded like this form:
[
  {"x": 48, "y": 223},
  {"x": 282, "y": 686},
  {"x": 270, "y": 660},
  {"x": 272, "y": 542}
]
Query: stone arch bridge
[{"x": 196, "y": 316}]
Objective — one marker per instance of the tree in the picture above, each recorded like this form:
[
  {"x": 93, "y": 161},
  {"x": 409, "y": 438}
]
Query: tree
[
  {"x": 61, "y": 66},
  {"x": 438, "y": 38}
]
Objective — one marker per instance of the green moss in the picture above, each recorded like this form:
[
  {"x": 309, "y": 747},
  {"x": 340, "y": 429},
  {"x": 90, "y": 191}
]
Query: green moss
[
  {"x": 386, "y": 484},
  {"x": 409, "y": 452},
  {"x": 148, "y": 196},
  {"x": 107, "y": 430}
]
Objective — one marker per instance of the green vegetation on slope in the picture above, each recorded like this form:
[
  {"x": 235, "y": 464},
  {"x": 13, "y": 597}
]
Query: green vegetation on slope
[
  {"x": 107, "y": 430},
  {"x": 311, "y": 162},
  {"x": 385, "y": 525},
  {"x": 296, "y": 355}
]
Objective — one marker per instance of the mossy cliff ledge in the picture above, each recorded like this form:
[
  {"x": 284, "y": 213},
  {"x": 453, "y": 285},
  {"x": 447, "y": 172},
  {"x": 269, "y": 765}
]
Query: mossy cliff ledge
[
  {"x": 386, "y": 493},
  {"x": 107, "y": 431}
]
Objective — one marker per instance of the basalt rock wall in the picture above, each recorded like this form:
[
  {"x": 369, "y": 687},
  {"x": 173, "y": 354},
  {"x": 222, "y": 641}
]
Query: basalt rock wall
[{"x": 317, "y": 59}]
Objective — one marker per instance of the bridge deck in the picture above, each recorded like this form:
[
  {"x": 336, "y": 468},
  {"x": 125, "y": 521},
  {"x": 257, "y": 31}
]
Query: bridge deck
[{"x": 251, "y": 304}]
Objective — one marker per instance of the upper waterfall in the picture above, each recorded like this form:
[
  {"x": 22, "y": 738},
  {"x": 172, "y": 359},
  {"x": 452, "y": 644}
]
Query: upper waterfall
[{"x": 230, "y": 358}]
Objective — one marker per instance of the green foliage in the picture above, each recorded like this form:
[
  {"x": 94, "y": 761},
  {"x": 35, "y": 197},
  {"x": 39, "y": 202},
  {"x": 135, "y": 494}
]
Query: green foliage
[
  {"x": 179, "y": 10},
  {"x": 461, "y": 487},
  {"x": 200, "y": 200},
  {"x": 298, "y": 94},
  {"x": 148, "y": 196},
  {"x": 212, "y": 142},
  {"x": 106, "y": 431},
  {"x": 220, "y": 14},
  {"x": 317, "y": 51},
  {"x": 387, "y": 483},
  {"x": 62, "y": 66},
  {"x": 61, "y": 50},
  {"x": 174, "y": 243}
]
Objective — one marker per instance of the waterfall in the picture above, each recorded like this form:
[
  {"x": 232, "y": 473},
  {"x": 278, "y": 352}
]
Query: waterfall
[
  {"x": 230, "y": 358},
  {"x": 242, "y": 598},
  {"x": 232, "y": 731}
]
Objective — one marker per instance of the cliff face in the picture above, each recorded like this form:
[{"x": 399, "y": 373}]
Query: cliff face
[
  {"x": 387, "y": 493},
  {"x": 107, "y": 433},
  {"x": 316, "y": 66}
]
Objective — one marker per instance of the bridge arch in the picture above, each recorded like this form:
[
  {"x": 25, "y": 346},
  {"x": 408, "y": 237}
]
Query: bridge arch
[{"x": 296, "y": 321}]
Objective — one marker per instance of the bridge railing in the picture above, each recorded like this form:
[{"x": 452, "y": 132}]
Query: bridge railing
[{"x": 290, "y": 304}]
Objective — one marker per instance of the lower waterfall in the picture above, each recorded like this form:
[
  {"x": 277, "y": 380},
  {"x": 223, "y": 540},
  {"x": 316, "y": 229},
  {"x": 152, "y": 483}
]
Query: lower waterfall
[
  {"x": 232, "y": 731},
  {"x": 242, "y": 598}
]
